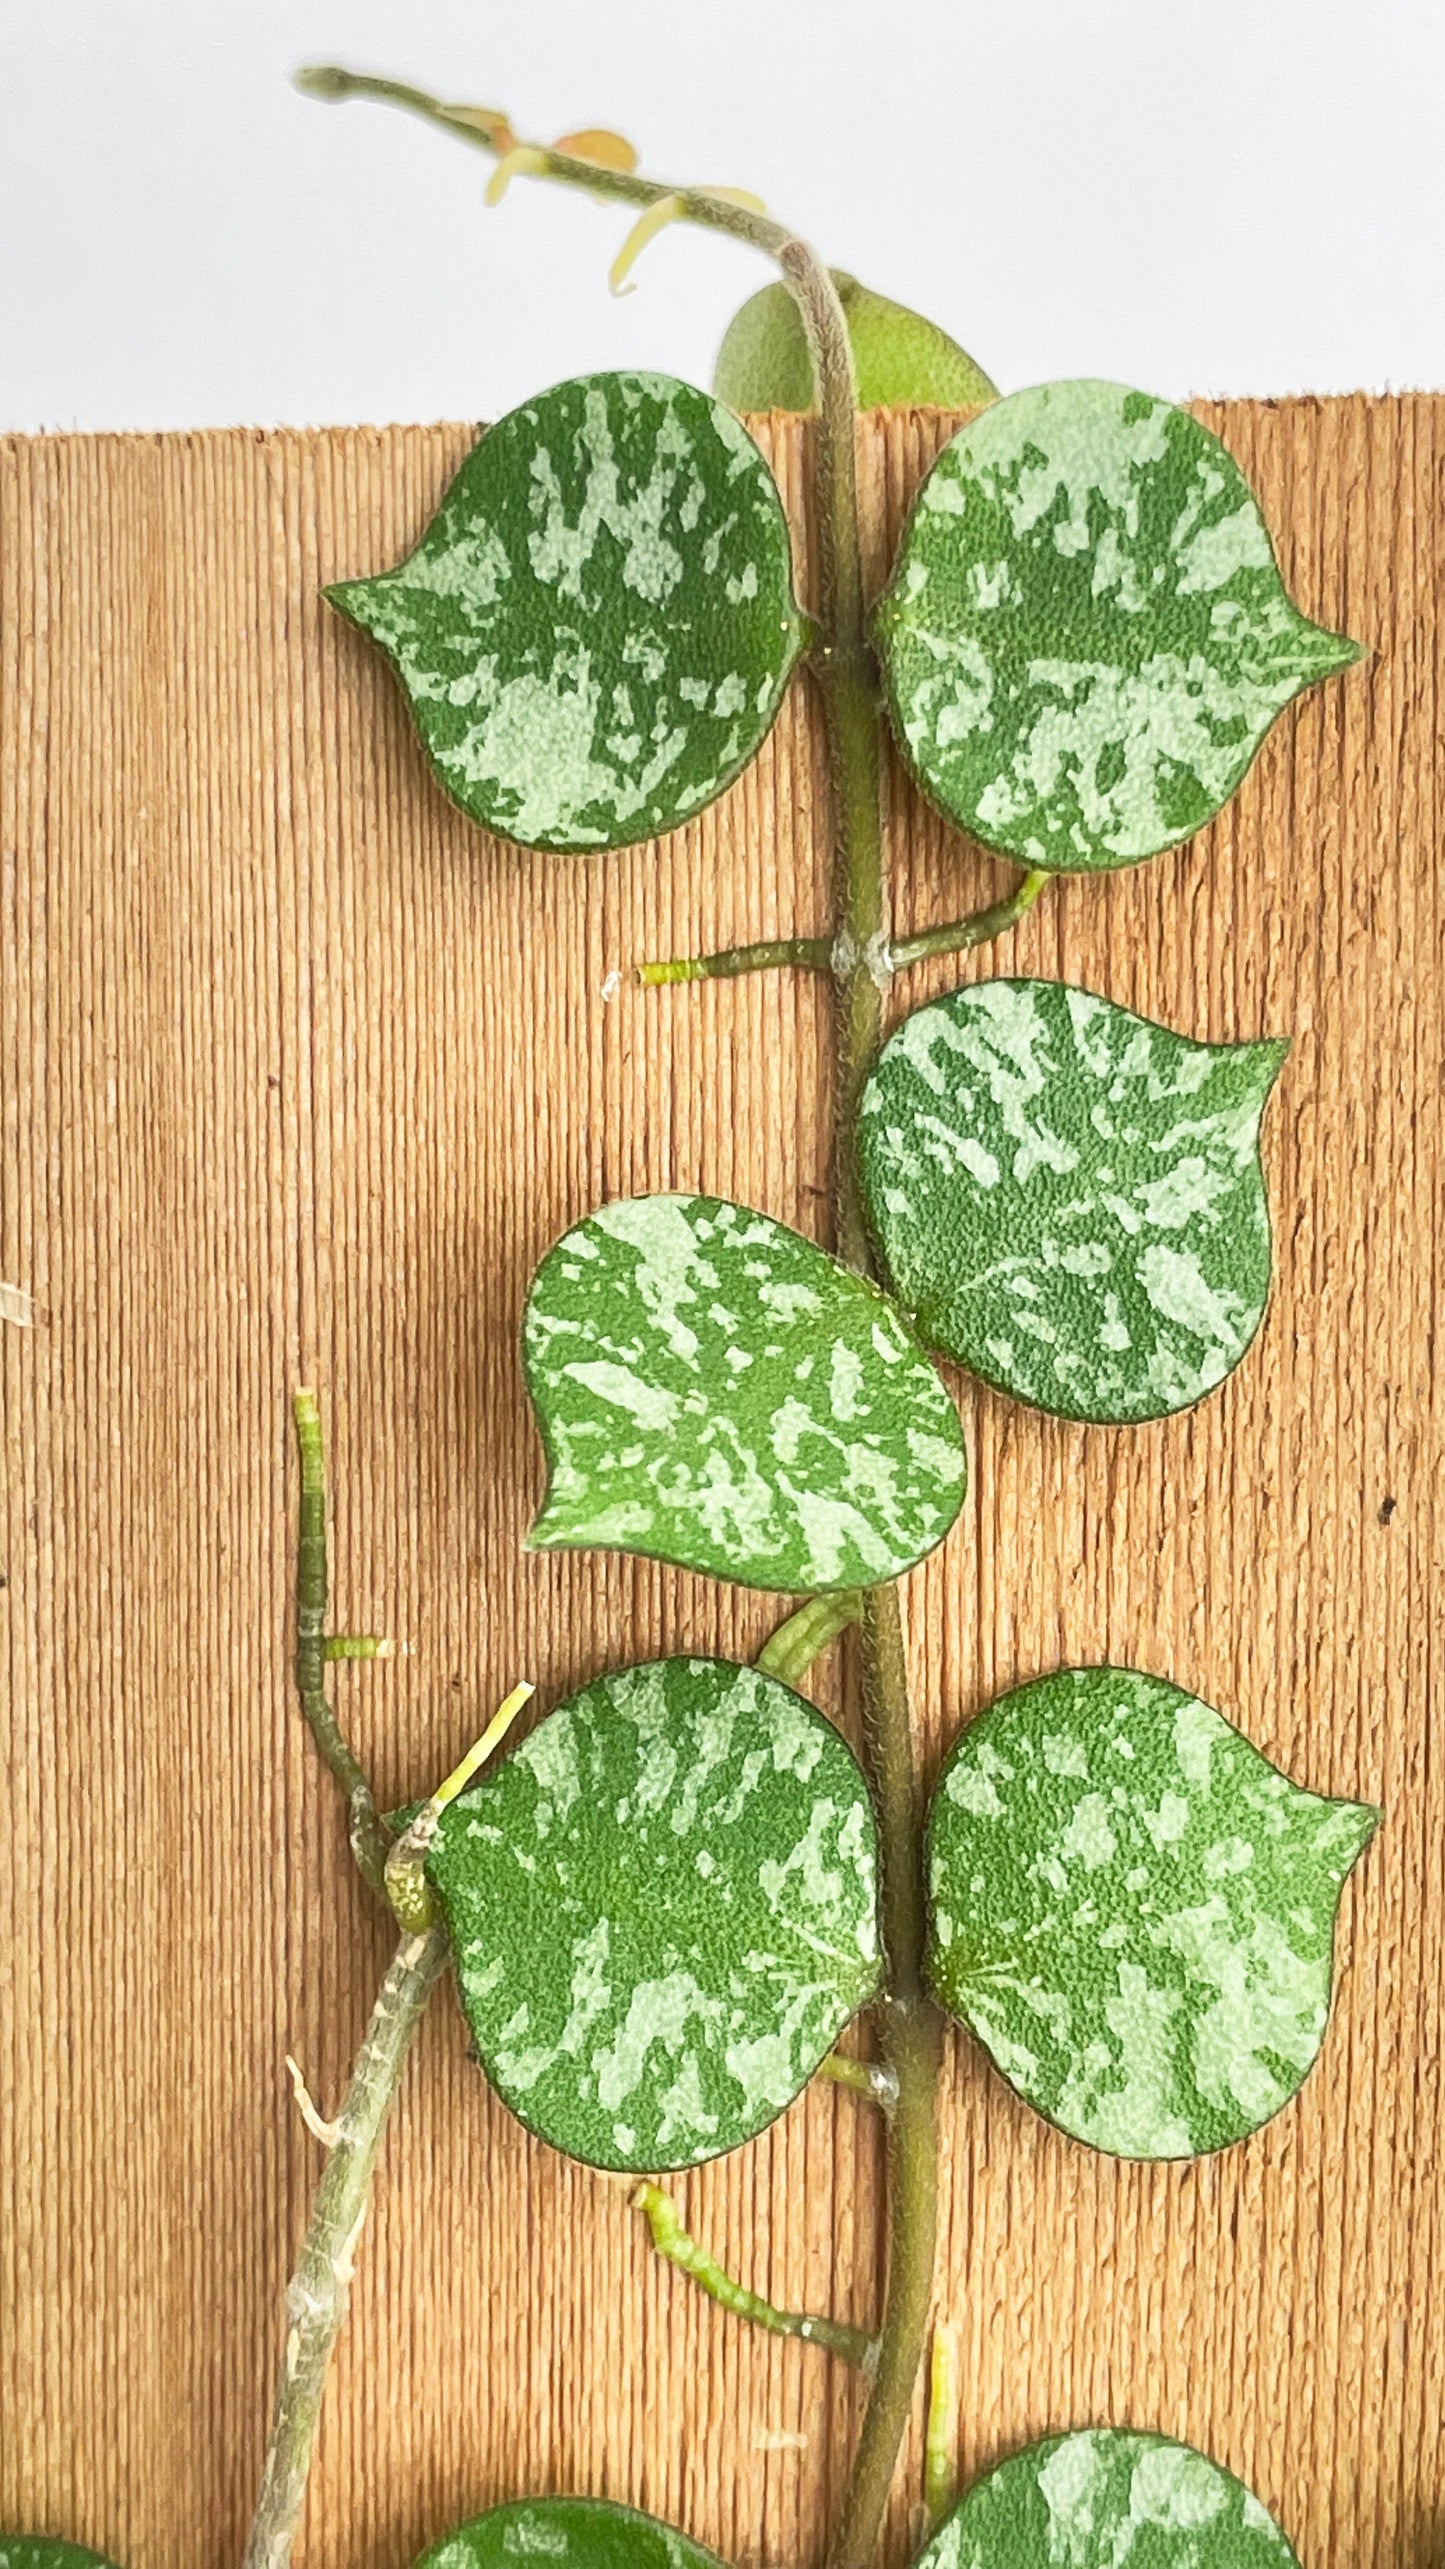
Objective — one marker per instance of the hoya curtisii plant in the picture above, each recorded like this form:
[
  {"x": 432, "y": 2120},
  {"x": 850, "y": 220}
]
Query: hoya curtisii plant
[{"x": 666, "y": 1906}]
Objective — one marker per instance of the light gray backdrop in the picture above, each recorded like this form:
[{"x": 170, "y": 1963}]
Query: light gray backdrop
[{"x": 1239, "y": 196}]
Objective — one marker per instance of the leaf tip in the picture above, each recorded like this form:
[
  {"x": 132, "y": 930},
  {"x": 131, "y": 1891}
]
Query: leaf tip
[
  {"x": 1271, "y": 1052},
  {"x": 354, "y": 599},
  {"x": 546, "y": 1533},
  {"x": 1364, "y": 1819},
  {"x": 1345, "y": 650}
]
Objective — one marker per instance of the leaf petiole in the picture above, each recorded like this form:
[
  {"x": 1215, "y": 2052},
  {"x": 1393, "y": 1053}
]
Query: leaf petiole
[
  {"x": 956, "y": 936},
  {"x": 405, "y": 1879},
  {"x": 810, "y": 954}
]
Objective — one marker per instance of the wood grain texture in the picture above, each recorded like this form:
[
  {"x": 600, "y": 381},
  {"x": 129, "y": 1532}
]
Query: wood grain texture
[{"x": 300, "y": 1076}]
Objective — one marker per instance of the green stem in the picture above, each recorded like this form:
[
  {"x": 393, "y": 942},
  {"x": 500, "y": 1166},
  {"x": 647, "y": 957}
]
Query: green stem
[
  {"x": 789, "y": 1653},
  {"x": 623, "y": 187},
  {"x": 911, "y": 2043},
  {"x": 864, "y": 2077},
  {"x": 940, "y": 2442},
  {"x": 977, "y": 930},
  {"x": 812, "y": 954},
  {"x": 317, "y": 2296},
  {"x": 369, "y": 1840},
  {"x": 356, "y": 1645},
  {"x": 673, "y": 2242}
]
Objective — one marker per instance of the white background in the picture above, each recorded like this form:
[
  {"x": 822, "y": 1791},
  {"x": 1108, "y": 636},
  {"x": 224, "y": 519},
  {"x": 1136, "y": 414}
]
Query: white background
[{"x": 1238, "y": 196}]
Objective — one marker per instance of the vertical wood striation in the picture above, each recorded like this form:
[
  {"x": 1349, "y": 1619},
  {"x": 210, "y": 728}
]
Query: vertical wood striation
[{"x": 298, "y": 1078}]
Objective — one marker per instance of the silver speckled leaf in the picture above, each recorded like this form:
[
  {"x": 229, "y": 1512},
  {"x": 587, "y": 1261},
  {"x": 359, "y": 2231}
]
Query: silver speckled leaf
[
  {"x": 1069, "y": 1198},
  {"x": 42, "y": 2551},
  {"x": 1103, "y": 2498},
  {"x": 663, "y": 1908},
  {"x": 1134, "y": 1911},
  {"x": 1086, "y": 637},
  {"x": 714, "y": 1391},
  {"x": 596, "y": 629},
  {"x": 568, "y": 2533}
]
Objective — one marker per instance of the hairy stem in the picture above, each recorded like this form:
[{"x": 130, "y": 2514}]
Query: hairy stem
[
  {"x": 673, "y": 2242},
  {"x": 317, "y": 2297},
  {"x": 911, "y": 2051},
  {"x": 957, "y": 935},
  {"x": 487, "y": 130},
  {"x": 356, "y": 1645},
  {"x": 810, "y": 954},
  {"x": 866, "y": 2078},
  {"x": 789, "y": 1653},
  {"x": 369, "y": 1840},
  {"x": 912, "y": 2029}
]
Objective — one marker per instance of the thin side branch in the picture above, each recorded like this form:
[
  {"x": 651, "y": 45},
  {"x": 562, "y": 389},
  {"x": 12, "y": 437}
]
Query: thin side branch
[
  {"x": 866, "y": 2078},
  {"x": 487, "y": 130},
  {"x": 816, "y": 954},
  {"x": 405, "y": 1877},
  {"x": 673, "y": 2242},
  {"x": 317, "y": 2297},
  {"x": 976, "y": 930},
  {"x": 809, "y": 954},
  {"x": 359, "y": 1645},
  {"x": 369, "y": 1840}
]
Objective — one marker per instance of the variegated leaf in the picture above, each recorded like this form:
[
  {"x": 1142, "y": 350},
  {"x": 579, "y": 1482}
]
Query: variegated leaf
[
  {"x": 715, "y": 1391},
  {"x": 42, "y": 2551},
  {"x": 595, "y": 632},
  {"x": 1086, "y": 637},
  {"x": 1069, "y": 1197},
  {"x": 1134, "y": 1911},
  {"x": 1104, "y": 2498},
  {"x": 568, "y": 2533},
  {"x": 663, "y": 1908}
]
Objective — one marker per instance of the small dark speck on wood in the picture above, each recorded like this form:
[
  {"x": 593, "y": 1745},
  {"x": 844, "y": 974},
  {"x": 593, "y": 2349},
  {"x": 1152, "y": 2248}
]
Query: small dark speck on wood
[{"x": 1387, "y": 1510}]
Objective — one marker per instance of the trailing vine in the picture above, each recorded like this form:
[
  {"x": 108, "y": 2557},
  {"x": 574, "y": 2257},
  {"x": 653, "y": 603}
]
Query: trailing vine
[{"x": 666, "y": 1905}]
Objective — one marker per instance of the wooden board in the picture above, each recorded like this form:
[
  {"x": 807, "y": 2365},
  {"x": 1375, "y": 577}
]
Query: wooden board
[{"x": 300, "y": 1076}]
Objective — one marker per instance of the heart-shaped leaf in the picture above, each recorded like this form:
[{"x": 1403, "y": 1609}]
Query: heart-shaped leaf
[
  {"x": 664, "y": 1911},
  {"x": 596, "y": 629},
  {"x": 570, "y": 2533},
  {"x": 1134, "y": 1911},
  {"x": 1087, "y": 637},
  {"x": 715, "y": 1391},
  {"x": 41, "y": 2551},
  {"x": 1069, "y": 1198},
  {"x": 1098, "y": 2499}
]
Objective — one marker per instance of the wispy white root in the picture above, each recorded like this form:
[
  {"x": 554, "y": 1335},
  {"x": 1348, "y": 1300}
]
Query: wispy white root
[{"x": 328, "y": 2134}]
